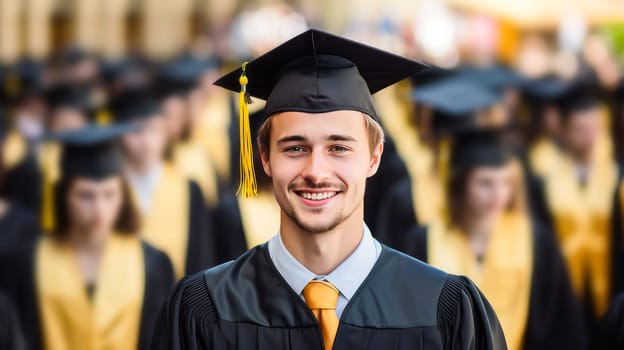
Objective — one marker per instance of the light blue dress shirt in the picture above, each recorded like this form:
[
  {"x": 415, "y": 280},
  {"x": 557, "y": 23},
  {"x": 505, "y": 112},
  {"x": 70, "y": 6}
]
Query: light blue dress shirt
[{"x": 347, "y": 277}]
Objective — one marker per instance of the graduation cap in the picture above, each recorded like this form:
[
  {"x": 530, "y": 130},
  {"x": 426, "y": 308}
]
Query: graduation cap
[
  {"x": 484, "y": 147},
  {"x": 314, "y": 72},
  {"x": 65, "y": 95},
  {"x": 496, "y": 77},
  {"x": 455, "y": 101},
  {"x": 578, "y": 98},
  {"x": 178, "y": 78},
  {"x": 134, "y": 104},
  {"x": 545, "y": 90},
  {"x": 91, "y": 151}
]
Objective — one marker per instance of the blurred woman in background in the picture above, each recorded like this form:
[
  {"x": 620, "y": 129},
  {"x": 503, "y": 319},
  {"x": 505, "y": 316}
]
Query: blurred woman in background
[
  {"x": 488, "y": 235},
  {"x": 91, "y": 283}
]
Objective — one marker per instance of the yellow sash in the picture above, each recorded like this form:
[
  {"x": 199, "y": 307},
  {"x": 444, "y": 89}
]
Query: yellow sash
[
  {"x": 543, "y": 155},
  {"x": 166, "y": 226},
  {"x": 69, "y": 320},
  {"x": 506, "y": 272},
  {"x": 14, "y": 149},
  {"x": 260, "y": 216},
  {"x": 211, "y": 132},
  {"x": 419, "y": 159},
  {"x": 582, "y": 220},
  {"x": 194, "y": 162}
]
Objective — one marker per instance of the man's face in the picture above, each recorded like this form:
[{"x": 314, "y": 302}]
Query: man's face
[
  {"x": 582, "y": 130},
  {"x": 319, "y": 164},
  {"x": 146, "y": 146}
]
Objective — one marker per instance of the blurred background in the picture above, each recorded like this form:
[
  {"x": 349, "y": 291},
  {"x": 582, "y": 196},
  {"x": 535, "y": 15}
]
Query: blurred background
[{"x": 526, "y": 67}]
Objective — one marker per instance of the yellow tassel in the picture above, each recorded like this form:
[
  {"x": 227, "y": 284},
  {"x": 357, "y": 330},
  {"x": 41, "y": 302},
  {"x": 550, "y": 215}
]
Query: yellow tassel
[
  {"x": 47, "y": 206},
  {"x": 444, "y": 155},
  {"x": 247, "y": 183},
  {"x": 103, "y": 117}
]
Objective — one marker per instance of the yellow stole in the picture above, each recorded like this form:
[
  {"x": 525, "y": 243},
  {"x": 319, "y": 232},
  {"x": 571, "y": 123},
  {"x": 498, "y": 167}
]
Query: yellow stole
[
  {"x": 211, "y": 131},
  {"x": 166, "y": 225},
  {"x": 14, "y": 149},
  {"x": 195, "y": 163},
  {"x": 69, "y": 320},
  {"x": 419, "y": 159},
  {"x": 582, "y": 219},
  {"x": 49, "y": 155},
  {"x": 260, "y": 216},
  {"x": 543, "y": 154},
  {"x": 505, "y": 274}
]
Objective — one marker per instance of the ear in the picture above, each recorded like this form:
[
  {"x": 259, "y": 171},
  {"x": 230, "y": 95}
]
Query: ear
[
  {"x": 264, "y": 157},
  {"x": 375, "y": 160}
]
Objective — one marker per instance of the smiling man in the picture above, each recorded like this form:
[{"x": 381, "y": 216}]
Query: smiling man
[{"x": 324, "y": 282}]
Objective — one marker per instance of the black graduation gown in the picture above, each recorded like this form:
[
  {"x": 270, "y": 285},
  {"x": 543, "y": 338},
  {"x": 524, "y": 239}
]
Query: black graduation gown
[
  {"x": 392, "y": 170},
  {"x": 555, "y": 318},
  {"x": 23, "y": 184},
  {"x": 202, "y": 246},
  {"x": 612, "y": 326},
  {"x": 11, "y": 335},
  {"x": 17, "y": 228},
  {"x": 402, "y": 304},
  {"x": 396, "y": 216},
  {"x": 19, "y": 284},
  {"x": 229, "y": 234}
]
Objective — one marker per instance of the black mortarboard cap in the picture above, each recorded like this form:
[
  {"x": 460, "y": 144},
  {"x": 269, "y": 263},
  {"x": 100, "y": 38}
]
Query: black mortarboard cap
[
  {"x": 319, "y": 72},
  {"x": 91, "y": 151},
  {"x": 314, "y": 72},
  {"x": 579, "y": 97},
  {"x": 546, "y": 89},
  {"x": 496, "y": 77},
  {"x": 134, "y": 104},
  {"x": 454, "y": 102},
  {"x": 483, "y": 147},
  {"x": 66, "y": 95}
]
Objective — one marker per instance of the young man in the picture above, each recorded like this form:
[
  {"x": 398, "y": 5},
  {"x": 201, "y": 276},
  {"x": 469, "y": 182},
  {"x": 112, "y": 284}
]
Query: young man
[
  {"x": 323, "y": 282},
  {"x": 580, "y": 197}
]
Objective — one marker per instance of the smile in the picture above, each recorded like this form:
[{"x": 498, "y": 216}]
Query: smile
[{"x": 317, "y": 196}]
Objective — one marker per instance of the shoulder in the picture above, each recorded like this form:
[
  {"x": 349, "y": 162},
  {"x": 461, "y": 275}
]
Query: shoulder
[{"x": 154, "y": 255}]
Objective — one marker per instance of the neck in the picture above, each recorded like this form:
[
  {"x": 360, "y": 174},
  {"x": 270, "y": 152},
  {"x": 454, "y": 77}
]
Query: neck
[
  {"x": 88, "y": 241},
  {"x": 140, "y": 169},
  {"x": 584, "y": 158},
  {"x": 478, "y": 230},
  {"x": 322, "y": 253}
]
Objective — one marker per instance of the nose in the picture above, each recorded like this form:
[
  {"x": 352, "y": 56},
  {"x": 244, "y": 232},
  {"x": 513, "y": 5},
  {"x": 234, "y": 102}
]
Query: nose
[{"x": 316, "y": 168}]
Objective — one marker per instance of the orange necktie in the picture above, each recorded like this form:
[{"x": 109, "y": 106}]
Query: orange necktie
[{"x": 322, "y": 298}]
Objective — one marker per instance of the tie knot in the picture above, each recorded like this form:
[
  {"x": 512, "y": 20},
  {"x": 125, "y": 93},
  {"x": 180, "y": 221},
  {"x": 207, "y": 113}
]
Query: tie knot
[{"x": 321, "y": 295}]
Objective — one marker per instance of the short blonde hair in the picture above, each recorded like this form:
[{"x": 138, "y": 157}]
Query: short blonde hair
[{"x": 374, "y": 130}]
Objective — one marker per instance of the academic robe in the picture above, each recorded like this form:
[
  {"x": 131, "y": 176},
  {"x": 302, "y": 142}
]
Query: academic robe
[
  {"x": 584, "y": 219},
  {"x": 19, "y": 282},
  {"x": 402, "y": 304},
  {"x": 612, "y": 326},
  {"x": 179, "y": 223},
  {"x": 555, "y": 319},
  {"x": 17, "y": 227},
  {"x": 396, "y": 215},
  {"x": 229, "y": 232},
  {"x": 392, "y": 170},
  {"x": 11, "y": 335},
  {"x": 23, "y": 183}
]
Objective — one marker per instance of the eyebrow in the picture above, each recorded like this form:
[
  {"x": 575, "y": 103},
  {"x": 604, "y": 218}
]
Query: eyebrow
[{"x": 301, "y": 138}]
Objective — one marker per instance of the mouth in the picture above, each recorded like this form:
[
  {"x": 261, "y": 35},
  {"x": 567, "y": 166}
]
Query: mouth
[{"x": 316, "y": 198}]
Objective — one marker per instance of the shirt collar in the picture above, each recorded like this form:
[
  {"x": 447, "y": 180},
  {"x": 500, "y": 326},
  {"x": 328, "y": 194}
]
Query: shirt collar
[{"x": 347, "y": 277}]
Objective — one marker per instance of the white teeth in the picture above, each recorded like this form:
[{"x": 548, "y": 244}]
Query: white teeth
[{"x": 317, "y": 196}]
